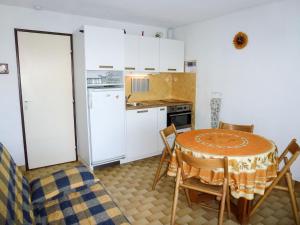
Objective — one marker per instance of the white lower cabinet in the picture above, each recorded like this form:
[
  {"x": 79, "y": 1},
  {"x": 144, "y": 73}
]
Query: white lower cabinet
[
  {"x": 161, "y": 124},
  {"x": 142, "y": 133}
]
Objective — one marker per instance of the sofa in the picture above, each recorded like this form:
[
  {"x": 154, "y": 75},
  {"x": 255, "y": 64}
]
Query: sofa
[{"x": 71, "y": 196}]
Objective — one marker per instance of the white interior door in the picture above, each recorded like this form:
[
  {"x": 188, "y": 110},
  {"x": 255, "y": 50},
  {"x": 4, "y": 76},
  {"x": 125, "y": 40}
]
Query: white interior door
[{"x": 46, "y": 80}]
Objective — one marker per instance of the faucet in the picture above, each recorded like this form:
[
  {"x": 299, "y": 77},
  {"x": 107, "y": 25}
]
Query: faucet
[{"x": 127, "y": 98}]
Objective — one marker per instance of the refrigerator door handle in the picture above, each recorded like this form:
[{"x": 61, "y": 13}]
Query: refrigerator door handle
[{"x": 90, "y": 100}]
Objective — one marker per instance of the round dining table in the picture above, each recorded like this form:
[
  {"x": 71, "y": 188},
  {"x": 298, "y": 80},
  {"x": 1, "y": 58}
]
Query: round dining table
[{"x": 252, "y": 163}]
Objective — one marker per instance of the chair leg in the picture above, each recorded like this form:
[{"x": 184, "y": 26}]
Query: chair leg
[
  {"x": 186, "y": 191},
  {"x": 222, "y": 207},
  {"x": 262, "y": 198},
  {"x": 175, "y": 202},
  {"x": 228, "y": 203},
  {"x": 293, "y": 197},
  {"x": 157, "y": 175},
  {"x": 165, "y": 173},
  {"x": 260, "y": 201}
]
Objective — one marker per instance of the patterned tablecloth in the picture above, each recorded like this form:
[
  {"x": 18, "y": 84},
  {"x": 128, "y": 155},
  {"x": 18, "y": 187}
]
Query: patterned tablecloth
[{"x": 252, "y": 159}]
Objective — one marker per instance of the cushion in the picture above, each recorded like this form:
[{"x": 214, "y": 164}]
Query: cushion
[
  {"x": 60, "y": 183},
  {"x": 84, "y": 205},
  {"x": 15, "y": 205}
]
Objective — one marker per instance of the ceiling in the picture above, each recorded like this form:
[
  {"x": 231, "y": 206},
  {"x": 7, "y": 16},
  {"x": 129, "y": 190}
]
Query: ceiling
[{"x": 164, "y": 13}]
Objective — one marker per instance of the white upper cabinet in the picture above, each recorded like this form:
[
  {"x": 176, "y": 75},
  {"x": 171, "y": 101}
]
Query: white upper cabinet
[
  {"x": 149, "y": 54},
  {"x": 131, "y": 53},
  {"x": 171, "y": 55},
  {"x": 104, "y": 48}
]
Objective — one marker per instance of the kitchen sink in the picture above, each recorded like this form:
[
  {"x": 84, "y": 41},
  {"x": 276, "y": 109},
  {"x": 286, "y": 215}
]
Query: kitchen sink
[{"x": 134, "y": 104}]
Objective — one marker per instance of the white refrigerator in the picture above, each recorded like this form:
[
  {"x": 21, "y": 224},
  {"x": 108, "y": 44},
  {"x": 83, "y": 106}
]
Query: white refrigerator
[{"x": 107, "y": 124}]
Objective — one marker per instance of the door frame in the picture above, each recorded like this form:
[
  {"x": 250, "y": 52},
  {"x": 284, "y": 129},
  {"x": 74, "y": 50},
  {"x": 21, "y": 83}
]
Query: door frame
[{"x": 16, "y": 30}]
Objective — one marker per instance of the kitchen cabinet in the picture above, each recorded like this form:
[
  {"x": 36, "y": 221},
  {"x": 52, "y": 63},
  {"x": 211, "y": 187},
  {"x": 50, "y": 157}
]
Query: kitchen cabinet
[
  {"x": 104, "y": 48},
  {"x": 149, "y": 54},
  {"x": 141, "y": 136},
  {"x": 171, "y": 55},
  {"x": 161, "y": 124},
  {"x": 142, "y": 132},
  {"x": 131, "y": 52}
]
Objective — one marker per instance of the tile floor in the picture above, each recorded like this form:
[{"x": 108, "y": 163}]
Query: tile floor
[{"x": 130, "y": 186}]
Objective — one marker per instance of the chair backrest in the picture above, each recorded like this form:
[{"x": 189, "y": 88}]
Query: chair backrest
[
  {"x": 167, "y": 132},
  {"x": 15, "y": 203},
  {"x": 294, "y": 149},
  {"x": 200, "y": 163},
  {"x": 228, "y": 126}
]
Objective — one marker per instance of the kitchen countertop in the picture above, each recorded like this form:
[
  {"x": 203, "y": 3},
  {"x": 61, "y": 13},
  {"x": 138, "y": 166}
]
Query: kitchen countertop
[{"x": 158, "y": 103}]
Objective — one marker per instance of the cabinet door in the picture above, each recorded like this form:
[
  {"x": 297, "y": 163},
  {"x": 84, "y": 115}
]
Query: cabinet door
[
  {"x": 141, "y": 133},
  {"x": 107, "y": 131},
  {"x": 131, "y": 52},
  {"x": 149, "y": 54},
  {"x": 171, "y": 55},
  {"x": 104, "y": 48},
  {"x": 161, "y": 124}
]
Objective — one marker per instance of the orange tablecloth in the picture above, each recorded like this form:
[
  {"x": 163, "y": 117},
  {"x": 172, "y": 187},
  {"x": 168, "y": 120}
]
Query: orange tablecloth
[{"x": 252, "y": 159}]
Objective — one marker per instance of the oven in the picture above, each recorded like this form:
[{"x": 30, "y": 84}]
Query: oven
[{"x": 180, "y": 116}]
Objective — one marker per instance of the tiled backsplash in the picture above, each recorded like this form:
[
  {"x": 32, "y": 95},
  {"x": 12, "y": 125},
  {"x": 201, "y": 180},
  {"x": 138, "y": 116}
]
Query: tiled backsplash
[
  {"x": 165, "y": 86},
  {"x": 184, "y": 86}
]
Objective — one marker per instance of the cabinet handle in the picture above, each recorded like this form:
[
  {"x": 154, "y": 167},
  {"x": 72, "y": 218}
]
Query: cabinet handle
[
  {"x": 105, "y": 67},
  {"x": 162, "y": 109},
  {"x": 142, "y": 111},
  {"x": 180, "y": 114},
  {"x": 129, "y": 68},
  {"x": 148, "y": 68},
  {"x": 170, "y": 69}
]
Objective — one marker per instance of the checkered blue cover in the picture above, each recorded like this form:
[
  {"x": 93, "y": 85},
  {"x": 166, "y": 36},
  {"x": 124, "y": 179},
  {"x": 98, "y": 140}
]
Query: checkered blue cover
[
  {"x": 15, "y": 204},
  {"x": 60, "y": 183},
  {"x": 69, "y": 197},
  {"x": 84, "y": 205}
]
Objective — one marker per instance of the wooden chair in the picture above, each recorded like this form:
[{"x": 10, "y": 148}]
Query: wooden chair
[
  {"x": 167, "y": 152},
  {"x": 228, "y": 126},
  {"x": 294, "y": 150},
  {"x": 195, "y": 184}
]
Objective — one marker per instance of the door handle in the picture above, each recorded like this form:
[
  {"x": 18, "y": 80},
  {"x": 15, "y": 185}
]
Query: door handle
[
  {"x": 142, "y": 111},
  {"x": 90, "y": 100},
  {"x": 25, "y": 105}
]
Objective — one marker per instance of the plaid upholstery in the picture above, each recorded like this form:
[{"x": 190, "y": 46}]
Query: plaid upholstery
[
  {"x": 60, "y": 183},
  {"x": 15, "y": 205},
  {"x": 85, "y": 205}
]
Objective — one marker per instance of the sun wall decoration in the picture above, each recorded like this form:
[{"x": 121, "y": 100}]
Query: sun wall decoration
[{"x": 240, "y": 40}]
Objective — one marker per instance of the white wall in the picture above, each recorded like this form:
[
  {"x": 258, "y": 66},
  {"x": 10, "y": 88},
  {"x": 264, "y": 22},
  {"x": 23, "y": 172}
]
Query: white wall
[
  {"x": 14, "y": 17},
  {"x": 260, "y": 84}
]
